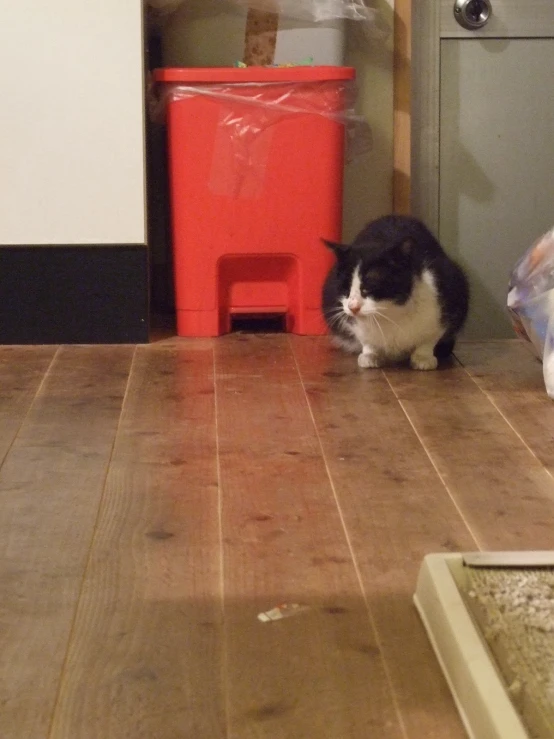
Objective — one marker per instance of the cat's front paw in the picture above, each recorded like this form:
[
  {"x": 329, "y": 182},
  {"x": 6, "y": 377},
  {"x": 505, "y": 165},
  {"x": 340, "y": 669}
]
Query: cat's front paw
[
  {"x": 423, "y": 360},
  {"x": 368, "y": 361}
]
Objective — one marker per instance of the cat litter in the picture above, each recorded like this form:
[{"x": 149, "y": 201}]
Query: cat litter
[
  {"x": 285, "y": 610},
  {"x": 490, "y": 619}
]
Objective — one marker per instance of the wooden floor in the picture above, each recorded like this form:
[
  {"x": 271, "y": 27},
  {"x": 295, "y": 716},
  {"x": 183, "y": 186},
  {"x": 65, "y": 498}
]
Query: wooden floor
[{"x": 156, "y": 499}]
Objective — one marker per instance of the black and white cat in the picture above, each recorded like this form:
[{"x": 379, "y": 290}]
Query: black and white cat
[{"x": 394, "y": 294}]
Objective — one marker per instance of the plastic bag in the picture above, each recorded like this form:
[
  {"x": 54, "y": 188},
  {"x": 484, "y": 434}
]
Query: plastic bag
[
  {"x": 250, "y": 109},
  {"x": 531, "y": 303},
  {"x": 312, "y": 10}
]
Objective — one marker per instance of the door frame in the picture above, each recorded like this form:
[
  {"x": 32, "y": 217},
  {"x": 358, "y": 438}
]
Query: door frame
[
  {"x": 416, "y": 132},
  {"x": 402, "y": 105},
  {"x": 425, "y": 119}
]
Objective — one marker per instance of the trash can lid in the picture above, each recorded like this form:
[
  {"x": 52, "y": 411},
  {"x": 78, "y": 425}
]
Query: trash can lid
[{"x": 195, "y": 75}]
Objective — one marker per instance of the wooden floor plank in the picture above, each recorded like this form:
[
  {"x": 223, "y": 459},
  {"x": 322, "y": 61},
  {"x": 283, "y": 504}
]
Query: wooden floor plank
[
  {"x": 330, "y": 486},
  {"x": 504, "y": 492},
  {"x": 22, "y": 369},
  {"x": 512, "y": 378},
  {"x": 318, "y": 673},
  {"x": 50, "y": 486},
  {"x": 396, "y": 511},
  {"x": 145, "y": 658}
]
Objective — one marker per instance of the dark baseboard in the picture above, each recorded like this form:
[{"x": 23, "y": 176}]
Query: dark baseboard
[{"x": 73, "y": 294}]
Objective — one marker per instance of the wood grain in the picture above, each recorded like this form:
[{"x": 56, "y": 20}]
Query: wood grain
[
  {"x": 319, "y": 673},
  {"x": 511, "y": 377},
  {"x": 143, "y": 536},
  {"x": 50, "y": 484},
  {"x": 402, "y": 105},
  {"x": 387, "y": 489},
  {"x": 145, "y": 657},
  {"x": 22, "y": 369},
  {"x": 502, "y": 490}
]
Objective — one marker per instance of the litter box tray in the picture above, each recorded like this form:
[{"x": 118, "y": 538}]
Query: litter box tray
[{"x": 490, "y": 619}]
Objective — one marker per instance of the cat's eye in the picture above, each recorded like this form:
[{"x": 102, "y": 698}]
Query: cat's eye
[{"x": 373, "y": 274}]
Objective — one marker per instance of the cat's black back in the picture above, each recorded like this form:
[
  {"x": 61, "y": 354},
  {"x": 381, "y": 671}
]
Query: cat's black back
[{"x": 384, "y": 236}]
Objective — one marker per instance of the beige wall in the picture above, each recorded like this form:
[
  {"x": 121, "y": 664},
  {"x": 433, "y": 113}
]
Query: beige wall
[
  {"x": 368, "y": 179},
  {"x": 192, "y": 38}
]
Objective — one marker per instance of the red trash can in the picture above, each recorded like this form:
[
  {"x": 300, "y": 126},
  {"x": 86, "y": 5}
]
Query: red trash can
[{"x": 256, "y": 160}]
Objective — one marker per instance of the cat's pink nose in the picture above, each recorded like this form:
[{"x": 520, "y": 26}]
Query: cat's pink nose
[{"x": 354, "y": 306}]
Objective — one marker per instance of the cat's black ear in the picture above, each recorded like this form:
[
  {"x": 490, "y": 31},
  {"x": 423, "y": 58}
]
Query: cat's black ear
[{"x": 336, "y": 247}]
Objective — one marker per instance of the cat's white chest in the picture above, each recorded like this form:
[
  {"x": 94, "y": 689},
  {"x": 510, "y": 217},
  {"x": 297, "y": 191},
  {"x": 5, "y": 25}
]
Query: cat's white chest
[{"x": 395, "y": 330}]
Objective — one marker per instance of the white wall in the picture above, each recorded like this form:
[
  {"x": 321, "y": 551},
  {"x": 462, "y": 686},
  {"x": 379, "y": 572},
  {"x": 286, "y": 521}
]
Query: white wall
[{"x": 72, "y": 142}]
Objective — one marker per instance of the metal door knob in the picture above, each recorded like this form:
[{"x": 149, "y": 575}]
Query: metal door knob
[{"x": 472, "y": 14}]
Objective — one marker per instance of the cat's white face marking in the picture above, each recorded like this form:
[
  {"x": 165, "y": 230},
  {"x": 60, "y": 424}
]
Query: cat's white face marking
[
  {"x": 355, "y": 304},
  {"x": 429, "y": 280}
]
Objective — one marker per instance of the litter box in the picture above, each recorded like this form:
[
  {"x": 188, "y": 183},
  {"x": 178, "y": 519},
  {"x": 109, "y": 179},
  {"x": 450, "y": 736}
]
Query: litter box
[{"x": 490, "y": 619}]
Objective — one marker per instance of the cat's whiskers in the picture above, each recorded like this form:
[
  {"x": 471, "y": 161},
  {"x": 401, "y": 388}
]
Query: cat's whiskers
[
  {"x": 337, "y": 318},
  {"x": 343, "y": 321},
  {"x": 388, "y": 318},
  {"x": 376, "y": 321}
]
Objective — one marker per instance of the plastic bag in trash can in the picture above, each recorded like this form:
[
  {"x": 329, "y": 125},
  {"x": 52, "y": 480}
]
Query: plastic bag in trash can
[
  {"x": 531, "y": 303},
  {"x": 248, "y": 110},
  {"x": 312, "y": 10}
]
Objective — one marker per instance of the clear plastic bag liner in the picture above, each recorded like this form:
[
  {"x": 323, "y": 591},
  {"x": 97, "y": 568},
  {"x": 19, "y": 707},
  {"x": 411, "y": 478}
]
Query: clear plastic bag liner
[
  {"x": 531, "y": 303},
  {"x": 251, "y": 109},
  {"x": 311, "y": 10}
]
